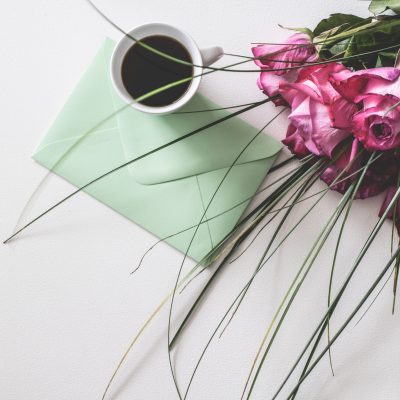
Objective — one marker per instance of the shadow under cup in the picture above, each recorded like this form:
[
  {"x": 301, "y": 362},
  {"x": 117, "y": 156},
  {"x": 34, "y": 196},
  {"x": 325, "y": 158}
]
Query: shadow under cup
[{"x": 144, "y": 71}]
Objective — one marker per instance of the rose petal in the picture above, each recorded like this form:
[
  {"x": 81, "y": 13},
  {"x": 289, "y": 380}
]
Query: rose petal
[
  {"x": 341, "y": 112},
  {"x": 270, "y": 83},
  {"x": 295, "y": 142},
  {"x": 300, "y": 117},
  {"x": 323, "y": 135},
  {"x": 355, "y": 86}
]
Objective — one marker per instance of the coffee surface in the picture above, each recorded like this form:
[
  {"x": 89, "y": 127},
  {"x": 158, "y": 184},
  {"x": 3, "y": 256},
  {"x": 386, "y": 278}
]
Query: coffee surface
[{"x": 143, "y": 71}]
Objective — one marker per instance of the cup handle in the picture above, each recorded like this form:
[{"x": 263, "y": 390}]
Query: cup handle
[{"x": 211, "y": 55}]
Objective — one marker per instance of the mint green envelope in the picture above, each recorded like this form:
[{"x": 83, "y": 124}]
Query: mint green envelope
[{"x": 166, "y": 192}]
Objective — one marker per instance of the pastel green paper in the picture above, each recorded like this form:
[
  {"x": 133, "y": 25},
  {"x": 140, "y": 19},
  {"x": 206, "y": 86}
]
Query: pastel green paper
[{"x": 168, "y": 191}]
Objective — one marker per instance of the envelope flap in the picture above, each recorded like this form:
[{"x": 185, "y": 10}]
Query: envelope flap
[{"x": 212, "y": 149}]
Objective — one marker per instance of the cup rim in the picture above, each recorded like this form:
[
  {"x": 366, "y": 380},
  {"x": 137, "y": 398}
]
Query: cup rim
[{"x": 141, "y": 32}]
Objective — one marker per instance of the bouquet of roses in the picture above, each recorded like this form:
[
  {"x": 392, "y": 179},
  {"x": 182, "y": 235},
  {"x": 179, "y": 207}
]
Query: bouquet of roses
[{"x": 347, "y": 111}]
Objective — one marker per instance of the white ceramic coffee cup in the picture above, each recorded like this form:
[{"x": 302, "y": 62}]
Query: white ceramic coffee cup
[{"x": 199, "y": 58}]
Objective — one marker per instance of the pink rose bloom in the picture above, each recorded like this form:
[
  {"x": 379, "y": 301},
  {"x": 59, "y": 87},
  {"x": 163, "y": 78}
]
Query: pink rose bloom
[
  {"x": 297, "y": 50},
  {"x": 320, "y": 116},
  {"x": 375, "y": 127},
  {"x": 375, "y": 90}
]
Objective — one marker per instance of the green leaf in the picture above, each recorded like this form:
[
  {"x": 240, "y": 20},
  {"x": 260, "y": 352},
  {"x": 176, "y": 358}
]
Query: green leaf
[
  {"x": 369, "y": 36},
  {"x": 307, "y": 31},
  {"x": 380, "y": 6},
  {"x": 336, "y": 20}
]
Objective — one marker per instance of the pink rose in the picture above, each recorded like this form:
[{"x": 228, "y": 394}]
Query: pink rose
[
  {"x": 320, "y": 115},
  {"x": 297, "y": 49},
  {"x": 375, "y": 126},
  {"x": 376, "y": 91},
  {"x": 295, "y": 52}
]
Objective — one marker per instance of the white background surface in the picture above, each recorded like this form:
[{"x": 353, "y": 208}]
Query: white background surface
[{"x": 68, "y": 304}]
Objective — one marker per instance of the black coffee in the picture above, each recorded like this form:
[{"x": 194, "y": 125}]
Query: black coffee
[{"x": 143, "y": 71}]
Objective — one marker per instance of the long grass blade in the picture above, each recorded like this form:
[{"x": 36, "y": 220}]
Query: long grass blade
[{"x": 375, "y": 298}]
